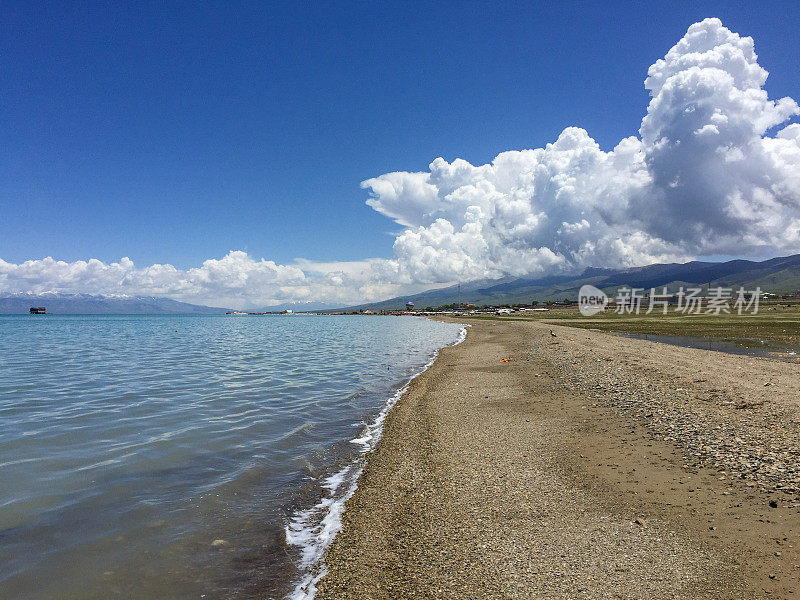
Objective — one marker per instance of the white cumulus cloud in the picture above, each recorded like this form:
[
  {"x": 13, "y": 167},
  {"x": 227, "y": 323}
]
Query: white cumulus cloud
[
  {"x": 715, "y": 169},
  {"x": 708, "y": 174},
  {"x": 236, "y": 278}
]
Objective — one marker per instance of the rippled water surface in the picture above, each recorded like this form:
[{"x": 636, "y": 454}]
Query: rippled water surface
[{"x": 150, "y": 457}]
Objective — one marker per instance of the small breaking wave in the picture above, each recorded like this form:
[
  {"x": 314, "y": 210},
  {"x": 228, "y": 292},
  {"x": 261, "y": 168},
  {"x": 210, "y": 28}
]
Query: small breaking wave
[{"x": 313, "y": 529}]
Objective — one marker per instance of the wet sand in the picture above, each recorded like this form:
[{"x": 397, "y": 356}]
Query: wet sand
[{"x": 588, "y": 466}]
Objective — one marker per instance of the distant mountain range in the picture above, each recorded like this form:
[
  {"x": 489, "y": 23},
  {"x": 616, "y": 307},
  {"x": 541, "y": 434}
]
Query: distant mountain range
[
  {"x": 298, "y": 307},
  {"x": 777, "y": 275},
  {"x": 87, "y": 304}
]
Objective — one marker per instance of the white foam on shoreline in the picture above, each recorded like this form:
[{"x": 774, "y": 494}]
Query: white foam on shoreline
[{"x": 313, "y": 529}]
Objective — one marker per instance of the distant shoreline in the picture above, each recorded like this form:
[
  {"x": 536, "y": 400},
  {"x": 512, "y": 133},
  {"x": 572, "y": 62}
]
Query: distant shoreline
[{"x": 586, "y": 465}]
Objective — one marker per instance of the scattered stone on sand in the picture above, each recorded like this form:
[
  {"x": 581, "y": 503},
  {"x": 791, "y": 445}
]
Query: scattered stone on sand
[{"x": 568, "y": 482}]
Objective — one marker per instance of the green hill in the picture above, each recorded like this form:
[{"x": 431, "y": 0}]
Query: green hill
[{"x": 777, "y": 275}]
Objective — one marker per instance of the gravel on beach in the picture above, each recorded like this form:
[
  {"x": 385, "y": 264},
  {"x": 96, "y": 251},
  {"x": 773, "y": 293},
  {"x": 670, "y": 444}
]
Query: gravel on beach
[{"x": 585, "y": 466}]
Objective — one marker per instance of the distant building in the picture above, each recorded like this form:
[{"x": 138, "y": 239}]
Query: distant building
[
  {"x": 38, "y": 310},
  {"x": 409, "y": 306}
]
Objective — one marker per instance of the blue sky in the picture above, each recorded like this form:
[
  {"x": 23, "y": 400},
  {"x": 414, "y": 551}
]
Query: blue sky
[{"x": 176, "y": 132}]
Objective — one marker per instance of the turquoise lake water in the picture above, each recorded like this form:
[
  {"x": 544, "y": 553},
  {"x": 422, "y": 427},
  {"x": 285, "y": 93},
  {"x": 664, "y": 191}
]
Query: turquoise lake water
[{"x": 154, "y": 457}]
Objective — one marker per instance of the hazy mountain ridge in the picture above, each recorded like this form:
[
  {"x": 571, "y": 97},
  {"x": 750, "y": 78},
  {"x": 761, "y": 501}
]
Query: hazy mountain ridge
[
  {"x": 777, "y": 275},
  {"x": 88, "y": 304},
  {"x": 297, "y": 307}
]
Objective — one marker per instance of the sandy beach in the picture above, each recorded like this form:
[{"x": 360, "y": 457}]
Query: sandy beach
[{"x": 586, "y": 466}]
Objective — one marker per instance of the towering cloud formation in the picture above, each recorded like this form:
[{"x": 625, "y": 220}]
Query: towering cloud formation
[
  {"x": 712, "y": 172},
  {"x": 704, "y": 177}
]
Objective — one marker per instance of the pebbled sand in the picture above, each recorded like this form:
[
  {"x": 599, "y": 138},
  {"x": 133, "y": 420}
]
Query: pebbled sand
[{"x": 589, "y": 466}]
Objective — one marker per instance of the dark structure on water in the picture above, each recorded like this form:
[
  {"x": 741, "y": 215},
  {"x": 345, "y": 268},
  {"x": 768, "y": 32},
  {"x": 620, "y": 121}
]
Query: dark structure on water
[{"x": 38, "y": 310}]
